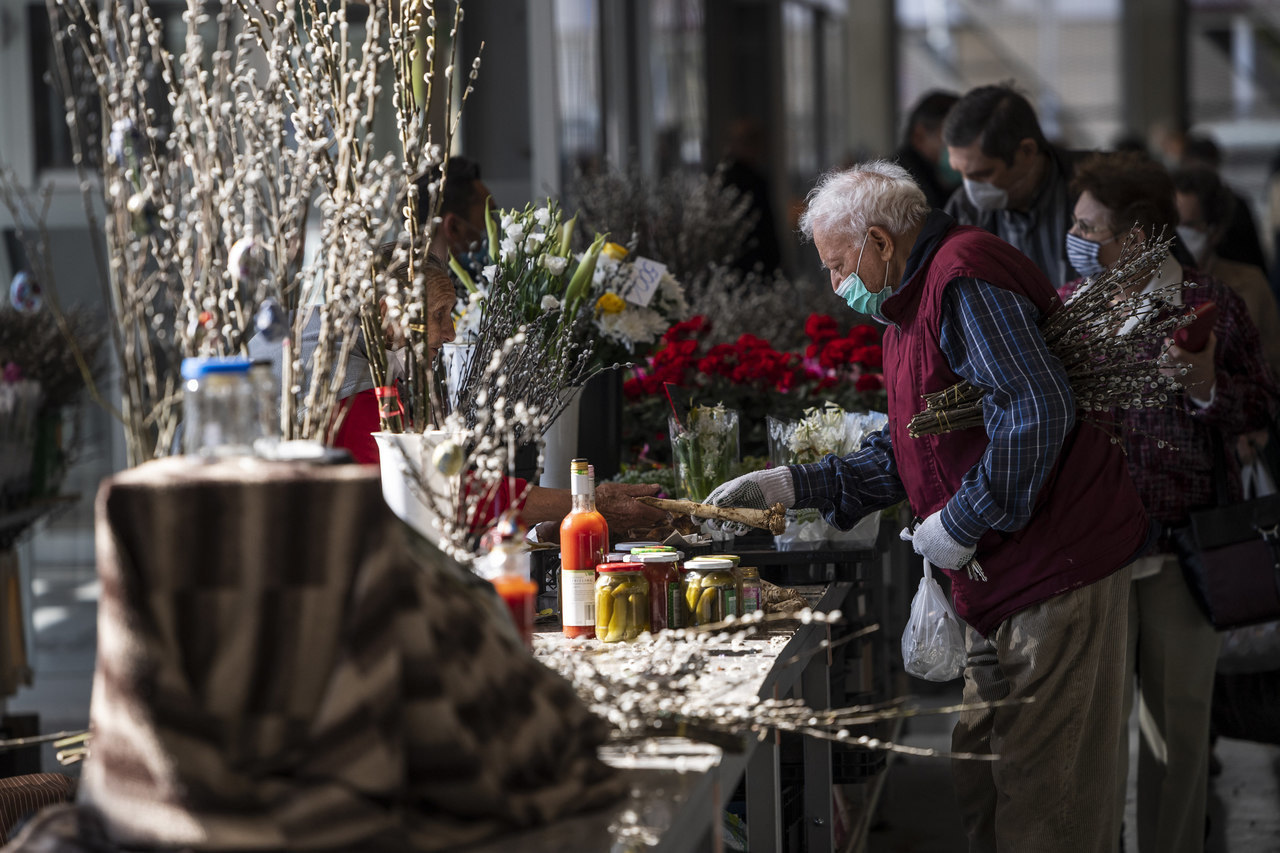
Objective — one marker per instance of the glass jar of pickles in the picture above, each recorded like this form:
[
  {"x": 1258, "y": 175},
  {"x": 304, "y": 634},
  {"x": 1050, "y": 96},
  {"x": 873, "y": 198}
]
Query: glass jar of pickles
[
  {"x": 752, "y": 590},
  {"x": 710, "y": 590},
  {"x": 622, "y": 602},
  {"x": 665, "y": 599},
  {"x": 737, "y": 577}
]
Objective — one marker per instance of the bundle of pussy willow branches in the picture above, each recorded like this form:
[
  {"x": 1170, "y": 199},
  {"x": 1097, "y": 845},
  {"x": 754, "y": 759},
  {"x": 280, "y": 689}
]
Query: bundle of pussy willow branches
[
  {"x": 1105, "y": 337},
  {"x": 682, "y": 684}
]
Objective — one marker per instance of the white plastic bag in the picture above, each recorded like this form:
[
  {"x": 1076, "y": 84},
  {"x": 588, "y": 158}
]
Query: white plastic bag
[{"x": 933, "y": 642}]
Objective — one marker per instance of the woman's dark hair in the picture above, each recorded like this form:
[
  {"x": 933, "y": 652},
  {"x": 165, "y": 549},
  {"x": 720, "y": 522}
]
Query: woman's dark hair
[
  {"x": 997, "y": 117},
  {"x": 1217, "y": 202},
  {"x": 1134, "y": 188}
]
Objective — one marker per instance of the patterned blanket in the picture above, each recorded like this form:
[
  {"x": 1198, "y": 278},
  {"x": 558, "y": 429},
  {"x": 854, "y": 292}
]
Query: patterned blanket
[{"x": 283, "y": 665}]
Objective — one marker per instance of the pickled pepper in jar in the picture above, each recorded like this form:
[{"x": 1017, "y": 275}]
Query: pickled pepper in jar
[
  {"x": 622, "y": 602},
  {"x": 710, "y": 590}
]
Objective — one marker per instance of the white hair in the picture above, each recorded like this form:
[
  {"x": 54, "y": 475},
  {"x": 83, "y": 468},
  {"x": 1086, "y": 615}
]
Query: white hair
[{"x": 873, "y": 193}]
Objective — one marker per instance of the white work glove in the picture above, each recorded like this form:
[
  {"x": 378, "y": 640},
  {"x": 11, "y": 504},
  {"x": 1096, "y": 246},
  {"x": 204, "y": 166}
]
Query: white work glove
[
  {"x": 757, "y": 490},
  {"x": 932, "y": 542}
]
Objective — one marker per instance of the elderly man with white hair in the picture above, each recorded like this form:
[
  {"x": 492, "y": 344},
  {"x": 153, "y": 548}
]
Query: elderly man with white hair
[{"x": 1042, "y": 501}]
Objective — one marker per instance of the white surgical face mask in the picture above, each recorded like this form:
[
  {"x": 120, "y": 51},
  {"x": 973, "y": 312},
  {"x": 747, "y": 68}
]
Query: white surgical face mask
[
  {"x": 986, "y": 196},
  {"x": 1197, "y": 242}
]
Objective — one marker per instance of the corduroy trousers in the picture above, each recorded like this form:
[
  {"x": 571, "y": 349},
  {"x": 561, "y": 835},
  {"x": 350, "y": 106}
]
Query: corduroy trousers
[{"x": 1052, "y": 786}]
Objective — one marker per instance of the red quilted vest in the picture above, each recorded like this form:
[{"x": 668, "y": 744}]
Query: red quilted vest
[{"x": 1088, "y": 520}]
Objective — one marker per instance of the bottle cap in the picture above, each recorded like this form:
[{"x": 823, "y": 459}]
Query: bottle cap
[
  {"x": 708, "y": 564},
  {"x": 195, "y": 368},
  {"x": 664, "y": 557}
]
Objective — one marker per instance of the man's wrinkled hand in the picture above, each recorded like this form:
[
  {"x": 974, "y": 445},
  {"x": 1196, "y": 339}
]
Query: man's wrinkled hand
[{"x": 617, "y": 503}]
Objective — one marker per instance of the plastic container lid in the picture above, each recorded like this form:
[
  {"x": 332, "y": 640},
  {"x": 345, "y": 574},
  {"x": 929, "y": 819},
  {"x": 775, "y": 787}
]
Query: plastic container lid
[
  {"x": 631, "y": 546},
  {"x": 709, "y": 564},
  {"x": 194, "y": 368},
  {"x": 652, "y": 557},
  {"x": 616, "y": 567}
]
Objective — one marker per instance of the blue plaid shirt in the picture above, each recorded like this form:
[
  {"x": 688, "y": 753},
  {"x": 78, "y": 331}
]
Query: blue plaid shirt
[{"x": 989, "y": 336}]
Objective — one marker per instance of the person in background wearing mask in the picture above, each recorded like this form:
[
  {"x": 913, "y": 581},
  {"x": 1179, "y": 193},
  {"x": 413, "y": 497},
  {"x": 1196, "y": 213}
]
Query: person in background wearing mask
[
  {"x": 1042, "y": 501},
  {"x": 922, "y": 152},
  {"x": 1016, "y": 185},
  {"x": 1205, "y": 211},
  {"x": 1172, "y": 453},
  {"x": 1239, "y": 239}
]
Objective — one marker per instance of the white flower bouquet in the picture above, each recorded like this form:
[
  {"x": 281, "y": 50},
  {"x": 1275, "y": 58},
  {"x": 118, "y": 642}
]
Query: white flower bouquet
[
  {"x": 826, "y": 429},
  {"x": 536, "y": 293},
  {"x": 635, "y": 301}
]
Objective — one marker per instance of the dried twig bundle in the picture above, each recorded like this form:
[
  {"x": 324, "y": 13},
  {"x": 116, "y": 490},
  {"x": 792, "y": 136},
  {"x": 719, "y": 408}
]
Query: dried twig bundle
[
  {"x": 656, "y": 687},
  {"x": 219, "y": 155},
  {"x": 456, "y": 478},
  {"x": 1104, "y": 338}
]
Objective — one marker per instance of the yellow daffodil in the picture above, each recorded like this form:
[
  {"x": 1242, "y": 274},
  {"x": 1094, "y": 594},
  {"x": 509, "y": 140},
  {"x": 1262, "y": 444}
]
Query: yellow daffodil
[{"x": 610, "y": 303}]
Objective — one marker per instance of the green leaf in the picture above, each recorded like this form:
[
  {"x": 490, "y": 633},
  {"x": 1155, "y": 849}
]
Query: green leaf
[{"x": 463, "y": 276}]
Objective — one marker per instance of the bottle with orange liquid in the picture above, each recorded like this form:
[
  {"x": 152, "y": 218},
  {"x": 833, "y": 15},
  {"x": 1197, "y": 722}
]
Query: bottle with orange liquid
[
  {"x": 506, "y": 566},
  {"x": 584, "y": 538}
]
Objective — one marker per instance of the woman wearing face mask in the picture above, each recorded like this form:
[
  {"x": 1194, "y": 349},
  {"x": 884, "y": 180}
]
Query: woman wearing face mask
[{"x": 1171, "y": 456}]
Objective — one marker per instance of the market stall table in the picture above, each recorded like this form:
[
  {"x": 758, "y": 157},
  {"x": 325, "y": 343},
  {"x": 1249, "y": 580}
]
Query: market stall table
[{"x": 679, "y": 787}]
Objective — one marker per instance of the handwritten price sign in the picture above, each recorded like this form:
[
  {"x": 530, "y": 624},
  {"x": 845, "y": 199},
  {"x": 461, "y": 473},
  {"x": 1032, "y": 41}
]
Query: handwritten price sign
[{"x": 645, "y": 277}]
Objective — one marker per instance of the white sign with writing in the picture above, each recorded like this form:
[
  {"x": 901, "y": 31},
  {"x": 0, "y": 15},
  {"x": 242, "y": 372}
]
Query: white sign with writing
[{"x": 645, "y": 278}]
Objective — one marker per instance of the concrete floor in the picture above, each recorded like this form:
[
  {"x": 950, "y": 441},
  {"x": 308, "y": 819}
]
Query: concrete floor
[{"x": 918, "y": 812}]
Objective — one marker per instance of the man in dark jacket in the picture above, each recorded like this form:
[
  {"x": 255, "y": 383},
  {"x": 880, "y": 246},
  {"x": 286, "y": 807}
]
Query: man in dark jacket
[
  {"x": 1016, "y": 185},
  {"x": 1043, "y": 502}
]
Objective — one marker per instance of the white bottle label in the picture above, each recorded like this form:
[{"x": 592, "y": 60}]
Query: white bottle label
[{"x": 578, "y": 599}]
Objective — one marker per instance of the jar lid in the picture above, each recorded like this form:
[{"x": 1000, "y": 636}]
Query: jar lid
[
  {"x": 615, "y": 557},
  {"x": 668, "y": 557},
  {"x": 631, "y": 546},
  {"x": 709, "y": 564},
  {"x": 733, "y": 558},
  {"x": 615, "y": 567},
  {"x": 654, "y": 549},
  {"x": 194, "y": 368}
]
